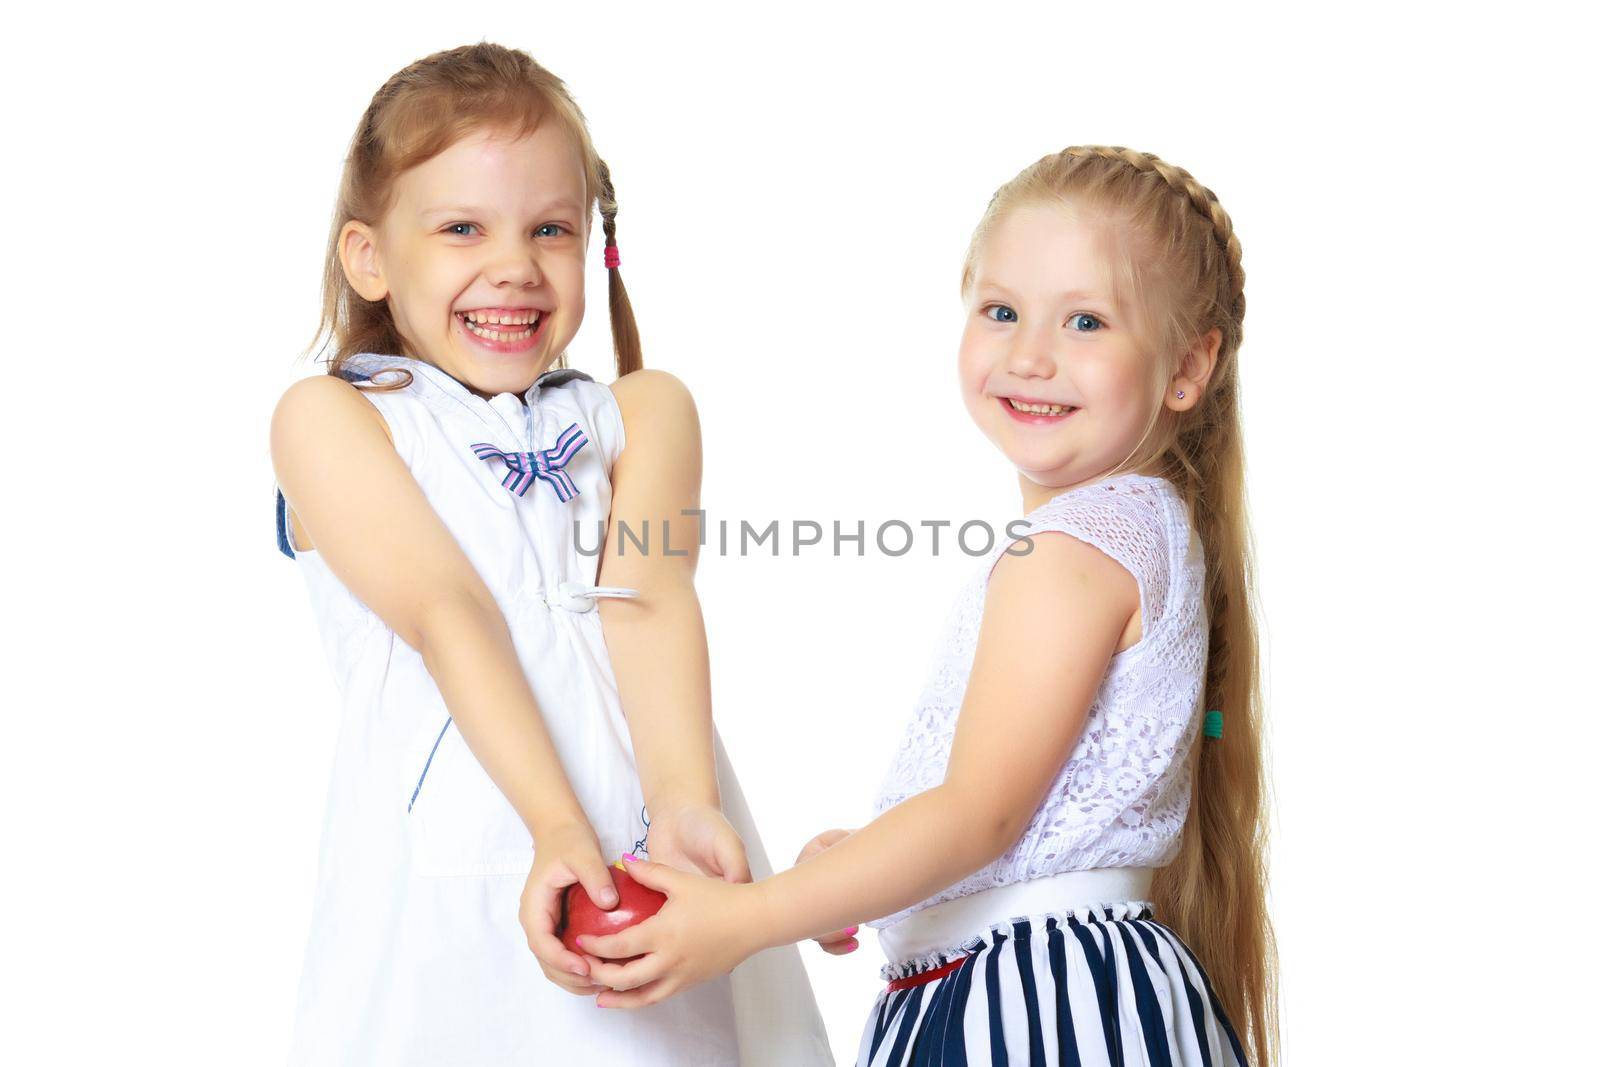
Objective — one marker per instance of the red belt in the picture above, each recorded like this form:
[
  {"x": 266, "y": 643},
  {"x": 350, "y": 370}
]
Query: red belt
[{"x": 926, "y": 976}]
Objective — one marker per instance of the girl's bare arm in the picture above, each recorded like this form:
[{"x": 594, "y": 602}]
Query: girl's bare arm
[
  {"x": 658, "y": 641},
  {"x": 337, "y": 466}
]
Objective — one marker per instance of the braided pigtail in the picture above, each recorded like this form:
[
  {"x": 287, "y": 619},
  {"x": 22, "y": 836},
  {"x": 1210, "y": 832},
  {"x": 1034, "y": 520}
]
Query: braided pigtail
[{"x": 624, "y": 328}]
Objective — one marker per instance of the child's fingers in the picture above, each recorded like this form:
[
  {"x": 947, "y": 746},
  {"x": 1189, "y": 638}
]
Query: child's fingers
[
  {"x": 840, "y": 942},
  {"x": 542, "y": 911},
  {"x": 731, "y": 858},
  {"x": 823, "y": 841},
  {"x": 839, "y": 935},
  {"x": 634, "y": 998},
  {"x": 596, "y": 879},
  {"x": 628, "y": 975},
  {"x": 590, "y": 963},
  {"x": 541, "y": 902},
  {"x": 657, "y": 876},
  {"x": 583, "y": 987},
  {"x": 809, "y": 849},
  {"x": 633, "y": 941},
  {"x": 552, "y": 954}
]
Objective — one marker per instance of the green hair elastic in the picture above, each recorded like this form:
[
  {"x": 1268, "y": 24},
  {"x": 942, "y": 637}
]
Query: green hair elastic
[{"x": 1213, "y": 726}]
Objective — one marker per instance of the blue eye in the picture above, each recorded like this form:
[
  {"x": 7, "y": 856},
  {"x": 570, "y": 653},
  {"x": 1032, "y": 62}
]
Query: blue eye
[
  {"x": 1001, "y": 308},
  {"x": 451, "y": 229},
  {"x": 550, "y": 226},
  {"x": 1085, "y": 315}
]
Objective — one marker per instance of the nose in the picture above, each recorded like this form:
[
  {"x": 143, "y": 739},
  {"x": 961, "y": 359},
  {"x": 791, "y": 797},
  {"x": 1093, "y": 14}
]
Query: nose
[
  {"x": 1030, "y": 357},
  {"x": 515, "y": 266}
]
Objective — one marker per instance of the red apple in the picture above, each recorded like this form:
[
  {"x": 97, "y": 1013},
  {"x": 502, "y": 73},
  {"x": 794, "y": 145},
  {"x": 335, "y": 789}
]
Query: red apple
[{"x": 579, "y": 915}]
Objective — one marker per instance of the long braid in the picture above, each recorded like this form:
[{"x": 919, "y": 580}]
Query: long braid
[{"x": 624, "y": 328}]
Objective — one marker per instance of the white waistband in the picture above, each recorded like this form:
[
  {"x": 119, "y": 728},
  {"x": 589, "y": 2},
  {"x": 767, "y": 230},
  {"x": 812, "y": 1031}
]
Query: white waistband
[{"x": 940, "y": 929}]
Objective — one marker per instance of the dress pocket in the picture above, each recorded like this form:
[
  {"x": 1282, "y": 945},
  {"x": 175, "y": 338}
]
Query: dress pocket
[{"x": 457, "y": 820}]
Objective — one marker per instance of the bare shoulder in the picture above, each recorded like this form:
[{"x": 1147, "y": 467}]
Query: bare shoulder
[
  {"x": 1065, "y": 583},
  {"x": 312, "y": 418},
  {"x": 658, "y": 412},
  {"x": 309, "y": 401},
  {"x": 651, "y": 395}
]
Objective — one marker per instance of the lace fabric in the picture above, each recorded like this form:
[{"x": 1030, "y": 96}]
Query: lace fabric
[{"x": 1121, "y": 797}]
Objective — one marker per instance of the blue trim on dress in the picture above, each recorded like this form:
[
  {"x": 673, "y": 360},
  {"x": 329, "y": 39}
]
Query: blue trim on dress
[
  {"x": 284, "y": 544},
  {"x": 425, "y": 766}
]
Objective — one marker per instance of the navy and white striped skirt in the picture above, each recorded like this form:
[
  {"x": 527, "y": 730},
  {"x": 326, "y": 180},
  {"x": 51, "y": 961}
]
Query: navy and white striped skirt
[{"x": 1102, "y": 986}]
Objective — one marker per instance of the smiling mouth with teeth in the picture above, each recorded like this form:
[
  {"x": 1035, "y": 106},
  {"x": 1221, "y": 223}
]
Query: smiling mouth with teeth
[
  {"x": 502, "y": 325},
  {"x": 1040, "y": 409}
]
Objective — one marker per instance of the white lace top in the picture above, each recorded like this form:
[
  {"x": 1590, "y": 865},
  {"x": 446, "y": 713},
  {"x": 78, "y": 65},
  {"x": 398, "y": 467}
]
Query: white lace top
[{"x": 1121, "y": 797}]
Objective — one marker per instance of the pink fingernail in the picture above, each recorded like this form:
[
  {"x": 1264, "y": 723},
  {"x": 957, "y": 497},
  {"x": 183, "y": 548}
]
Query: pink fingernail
[
  {"x": 852, "y": 930},
  {"x": 630, "y": 857}
]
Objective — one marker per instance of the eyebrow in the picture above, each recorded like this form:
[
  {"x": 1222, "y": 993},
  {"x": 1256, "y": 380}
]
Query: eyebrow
[
  {"x": 1070, "y": 294},
  {"x": 468, "y": 209}
]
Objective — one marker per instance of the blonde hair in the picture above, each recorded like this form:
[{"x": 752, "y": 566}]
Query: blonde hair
[
  {"x": 418, "y": 113},
  {"x": 1174, "y": 266}
]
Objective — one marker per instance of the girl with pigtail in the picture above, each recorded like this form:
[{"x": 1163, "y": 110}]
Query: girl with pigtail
[
  {"x": 1067, "y": 863},
  {"x": 517, "y": 710}
]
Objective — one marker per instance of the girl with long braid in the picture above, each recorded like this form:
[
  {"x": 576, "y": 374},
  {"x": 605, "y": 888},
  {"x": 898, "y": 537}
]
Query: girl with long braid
[
  {"x": 497, "y": 745},
  {"x": 1067, "y": 863}
]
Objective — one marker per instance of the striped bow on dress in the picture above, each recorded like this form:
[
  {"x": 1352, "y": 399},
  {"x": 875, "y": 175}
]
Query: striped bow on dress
[{"x": 523, "y": 468}]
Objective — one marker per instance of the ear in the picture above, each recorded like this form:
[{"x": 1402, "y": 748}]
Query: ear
[
  {"x": 358, "y": 255},
  {"x": 1194, "y": 371}
]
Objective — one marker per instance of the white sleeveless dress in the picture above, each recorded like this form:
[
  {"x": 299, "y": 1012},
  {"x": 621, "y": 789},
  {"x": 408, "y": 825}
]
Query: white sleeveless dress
[{"x": 416, "y": 954}]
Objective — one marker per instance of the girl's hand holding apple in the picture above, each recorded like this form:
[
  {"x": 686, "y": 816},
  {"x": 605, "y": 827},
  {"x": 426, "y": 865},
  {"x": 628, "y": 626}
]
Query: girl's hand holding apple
[
  {"x": 706, "y": 928},
  {"x": 566, "y": 855},
  {"x": 580, "y": 917}
]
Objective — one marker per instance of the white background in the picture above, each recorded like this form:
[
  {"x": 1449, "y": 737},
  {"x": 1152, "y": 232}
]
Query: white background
[{"x": 1414, "y": 191}]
